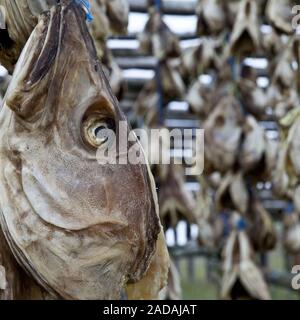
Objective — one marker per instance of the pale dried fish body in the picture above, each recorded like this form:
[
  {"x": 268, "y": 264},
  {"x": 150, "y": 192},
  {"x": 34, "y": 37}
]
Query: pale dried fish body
[
  {"x": 211, "y": 17},
  {"x": 146, "y": 104},
  {"x": 100, "y": 28},
  {"x": 172, "y": 84},
  {"x": 272, "y": 43},
  {"x": 242, "y": 279},
  {"x": 175, "y": 201},
  {"x": 255, "y": 99},
  {"x": 261, "y": 230},
  {"x": 18, "y": 19},
  {"x": 286, "y": 175},
  {"x": 291, "y": 232},
  {"x": 203, "y": 215},
  {"x": 233, "y": 193},
  {"x": 200, "y": 59},
  {"x": 283, "y": 74},
  {"x": 199, "y": 98},
  {"x": 223, "y": 132},
  {"x": 245, "y": 38},
  {"x": 157, "y": 39},
  {"x": 285, "y": 102},
  {"x": 75, "y": 221},
  {"x": 3, "y": 281},
  {"x": 279, "y": 14},
  {"x": 173, "y": 291},
  {"x": 253, "y": 145},
  {"x": 231, "y": 9},
  {"x": 117, "y": 13}
]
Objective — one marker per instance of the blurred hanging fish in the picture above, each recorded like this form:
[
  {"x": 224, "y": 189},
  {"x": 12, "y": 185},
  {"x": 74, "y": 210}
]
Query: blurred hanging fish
[
  {"x": 17, "y": 20},
  {"x": 82, "y": 230}
]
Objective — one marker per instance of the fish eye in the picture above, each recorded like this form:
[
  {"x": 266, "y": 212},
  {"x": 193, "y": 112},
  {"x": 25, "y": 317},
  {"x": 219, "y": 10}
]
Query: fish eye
[{"x": 96, "y": 131}]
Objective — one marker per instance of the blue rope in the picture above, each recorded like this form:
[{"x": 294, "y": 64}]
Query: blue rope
[
  {"x": 241, "y": 225},
  {"x": 290, "y": 209},
  {"x": 87, "y": 8},
  {"x": 158, "y": 4}
]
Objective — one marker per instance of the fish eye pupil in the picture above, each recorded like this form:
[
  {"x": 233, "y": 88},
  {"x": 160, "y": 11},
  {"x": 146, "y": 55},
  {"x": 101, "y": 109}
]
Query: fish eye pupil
[{"x": 98, "y": 129}]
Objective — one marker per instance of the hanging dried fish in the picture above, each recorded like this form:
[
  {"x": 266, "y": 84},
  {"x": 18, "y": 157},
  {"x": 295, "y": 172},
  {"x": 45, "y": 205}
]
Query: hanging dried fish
[
  {"x": 286, "y": 175},
  {"x": 157, "y": 39},
  {"x": 117, "y": 12},
  {"x": 242, "y": 279},
  {"x": 253, "y": 146},
  {"x": 211, "y": 17},
  {"x": 291, "y": 232},
  {"x": 198, "y": 60},
  {"x": 282, "y": 71},
  {"x": 199, "y": 98},
  {"x": 261, "y": 230},
  {"x": 279, "y": 14},
  {"x": 175, "y": 202},
  {"x": 76, "y": 221},
  {"x": 203, "y": 215},
  {"x": 272, "y": 43},
  {"x": 245, "y": 38},
  {"x": 17, "y": 20},
  {"x": 223, "y": 132},
  {"x": 255, "y": 99},
  {"x": 173, "y": 291},
  {"x": 233, "y": 193},
  {"x": 173, "y": 88}
]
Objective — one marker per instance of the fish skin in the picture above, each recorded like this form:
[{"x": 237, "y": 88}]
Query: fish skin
[{"x": 82, "y": 230}]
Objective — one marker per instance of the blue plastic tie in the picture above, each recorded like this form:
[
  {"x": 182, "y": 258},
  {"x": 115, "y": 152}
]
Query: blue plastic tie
[
  {"x": 290, "y": 209},
  {"x": 158, "y": 4},
  {"x": 87, "y": 8},
  {"x": 241, "y": 225}
]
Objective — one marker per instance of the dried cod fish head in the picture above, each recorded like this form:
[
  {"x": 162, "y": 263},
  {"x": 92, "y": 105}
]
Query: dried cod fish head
[
  {"x": 81, "y": 229},
  {"x": 17, "y": 20},
  {"x": 242, "y": 279},
  {"x": 223, "y": 132},
  {"x": 245, "y": 38},
  {"x": 211, "y": 17}
]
